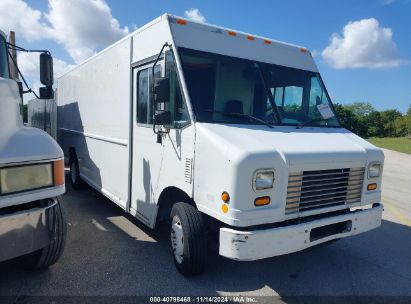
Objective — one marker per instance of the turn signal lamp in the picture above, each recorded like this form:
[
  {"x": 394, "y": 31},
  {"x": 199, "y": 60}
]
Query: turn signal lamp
[
  {"x": 225, "y": 197},
  {"x": 262, "y": 201},
  {"x": 58, "y": 172},
  {"x": 372, "y": 186},
  {"x": 224, "y": 208}
]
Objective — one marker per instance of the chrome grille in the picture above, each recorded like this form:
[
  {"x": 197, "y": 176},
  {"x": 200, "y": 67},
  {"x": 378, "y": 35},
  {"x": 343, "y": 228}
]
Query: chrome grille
[{"x": 309, "y": 190}]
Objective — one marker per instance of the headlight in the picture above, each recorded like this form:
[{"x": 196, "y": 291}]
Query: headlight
[
  {"x": 374, "y": 170},
  {"x": 30, "y": 177},
  {"x": 263, "y": 179}
]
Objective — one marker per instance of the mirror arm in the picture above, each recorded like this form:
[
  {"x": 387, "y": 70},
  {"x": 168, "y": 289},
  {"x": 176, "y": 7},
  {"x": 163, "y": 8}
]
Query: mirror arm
[
  {"x": 29, "y": 90},
  {"x": 152, "y": 86}
]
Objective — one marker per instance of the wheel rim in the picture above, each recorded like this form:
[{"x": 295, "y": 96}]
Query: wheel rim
[
  {"x": 177, "y": 239},
  {"x": 73, "y": 172}
]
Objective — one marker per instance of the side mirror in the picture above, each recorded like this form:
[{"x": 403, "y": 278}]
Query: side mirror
[
  {"x": 46, "y": 69},
  {"x": 162, "y": 118},
  {"x": 46, "y": 93},
  {"x": 162, "y": 90}
]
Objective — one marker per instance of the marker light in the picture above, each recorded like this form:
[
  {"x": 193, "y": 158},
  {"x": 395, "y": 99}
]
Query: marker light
[
  {"x": 267, "y": 41},
  {"x": 262, "y": 201},
  {"x": 181, "y": 21},
  {"x": 372, "y": 186},
  {"x": 250, "y": 38},
  {"x": 231, "y": 33},
  {"x": 224, "y": 208},
  {"x": 58, "y": 172},
  {"x": 225, "y": 197},
  {"x": 303, "y": 50}
]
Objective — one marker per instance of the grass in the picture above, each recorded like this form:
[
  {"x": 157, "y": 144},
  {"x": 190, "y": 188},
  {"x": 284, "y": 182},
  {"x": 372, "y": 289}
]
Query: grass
[{"x": 400, "y": 144}]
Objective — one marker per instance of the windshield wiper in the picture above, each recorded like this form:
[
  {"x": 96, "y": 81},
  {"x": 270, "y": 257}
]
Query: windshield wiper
[
  {"x": 241, "y": 115},
  {"x": 307, "y": 122}
]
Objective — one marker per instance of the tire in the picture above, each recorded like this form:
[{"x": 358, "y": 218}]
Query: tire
[
  {"x": 49, "y": 255},
  {"x": 188, "y": 239},
  {"x": 75, "y": 179}
]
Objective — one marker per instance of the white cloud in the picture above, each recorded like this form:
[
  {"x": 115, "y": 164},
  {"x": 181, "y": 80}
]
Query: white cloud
[
  {"x": 29, "y": 65},
  {"x": 195, "y": 15},
  {"x": 363, "y": 44},
  {"x": 83, "y": 26},
  {"x": 16, "y": 15}
]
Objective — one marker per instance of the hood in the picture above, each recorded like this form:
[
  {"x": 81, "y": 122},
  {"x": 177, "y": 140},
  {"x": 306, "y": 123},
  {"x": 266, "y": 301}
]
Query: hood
[{"x": 296, "y": 147}]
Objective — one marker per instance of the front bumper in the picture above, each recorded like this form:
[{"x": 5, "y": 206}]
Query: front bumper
[
  {"x": 26, "y": 231},
  {"x": 260, "y": 244}
]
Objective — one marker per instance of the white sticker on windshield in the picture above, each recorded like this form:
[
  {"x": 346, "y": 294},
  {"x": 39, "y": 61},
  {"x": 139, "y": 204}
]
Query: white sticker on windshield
[{"x": 325, "y": 111}]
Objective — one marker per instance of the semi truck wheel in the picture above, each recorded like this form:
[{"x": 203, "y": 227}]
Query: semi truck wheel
[
  {"x": 75, "y": 179},
  {"x": 49, "y": 255},
  {"x": 188, "y": 239}
]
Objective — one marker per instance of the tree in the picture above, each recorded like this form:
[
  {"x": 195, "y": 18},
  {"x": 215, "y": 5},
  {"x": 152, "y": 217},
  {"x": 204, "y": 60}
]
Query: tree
[
  {"x": 346, "y": 117},
  {"x": 361, "y": 108},
  {"x": 388, "y": 118},
  {"x": 373, "y": 124}
]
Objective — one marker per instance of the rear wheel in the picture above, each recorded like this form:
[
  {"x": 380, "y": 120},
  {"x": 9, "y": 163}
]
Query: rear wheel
[
  {"x": 75, "y": 179},
  {"x": 188, "y": 239},
  {"x": 49, "y": 255}
]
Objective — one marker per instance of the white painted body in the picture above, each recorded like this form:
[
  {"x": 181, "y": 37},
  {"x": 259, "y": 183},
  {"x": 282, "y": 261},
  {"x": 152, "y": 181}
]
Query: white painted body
[
  {"x": 23, "y": 145},
  {"x": 25, "y": 221},
  {"x": 121, "y": 159}
]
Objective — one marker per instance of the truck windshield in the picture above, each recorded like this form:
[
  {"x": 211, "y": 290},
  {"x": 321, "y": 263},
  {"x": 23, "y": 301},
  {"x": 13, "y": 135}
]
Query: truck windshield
[
  {"x": 4, "y": 69},
  {"x": 225, "y": 89}
]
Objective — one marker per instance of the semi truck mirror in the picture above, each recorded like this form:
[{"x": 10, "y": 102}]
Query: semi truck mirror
[
  {"x": 46, "y": 69},
  {"x": 162, "y": 90},
  {"x": 162, "y": 118},
  {"x": 46, "y": 93}
]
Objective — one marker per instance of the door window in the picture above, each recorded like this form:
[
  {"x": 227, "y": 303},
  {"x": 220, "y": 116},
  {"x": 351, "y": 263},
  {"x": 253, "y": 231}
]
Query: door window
[
  {"x": 177, "y": 105},
  {"x": 144, "y": 98}
]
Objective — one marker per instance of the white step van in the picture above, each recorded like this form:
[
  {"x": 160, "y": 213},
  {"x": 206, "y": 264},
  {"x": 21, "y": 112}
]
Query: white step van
[
  {"x": 217, "y": 130},
  {"x": 32, "y": 223}
]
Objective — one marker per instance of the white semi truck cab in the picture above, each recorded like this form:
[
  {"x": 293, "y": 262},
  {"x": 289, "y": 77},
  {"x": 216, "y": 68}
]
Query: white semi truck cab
[
  {"x": 32, "y": 225},
  {"x": 217, "y": 130}
]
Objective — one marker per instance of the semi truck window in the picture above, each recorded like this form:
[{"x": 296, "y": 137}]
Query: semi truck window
[
  {"x": 221, "y": 85},
  {"x": 4, "y": 68},
  {"x": 144, "y": 102},
  {"x": 225, "y": 89},
  {"x": 293, "y": 99},
  {"x": 177, "y": 105},
  {"x": 297, "y": 93}
]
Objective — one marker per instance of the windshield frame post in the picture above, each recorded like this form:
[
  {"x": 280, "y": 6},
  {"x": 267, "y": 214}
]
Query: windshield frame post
[{"x": 269, "y": 94}]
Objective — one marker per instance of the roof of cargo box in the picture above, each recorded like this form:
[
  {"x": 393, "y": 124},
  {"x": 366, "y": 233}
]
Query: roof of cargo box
[
  {"x": 224, "y": 41},
  {"x": 220, "y": 40}
]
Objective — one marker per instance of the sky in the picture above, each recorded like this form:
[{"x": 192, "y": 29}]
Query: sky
[{"x": 362, "y": 48}]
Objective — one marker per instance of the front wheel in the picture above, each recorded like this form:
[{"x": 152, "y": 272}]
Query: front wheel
[
  {"x": 188, "y": 239},
  {"x": 49, "y": 255}
]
